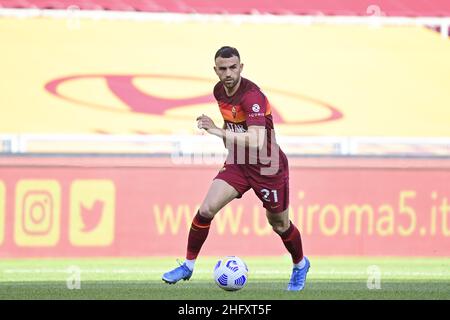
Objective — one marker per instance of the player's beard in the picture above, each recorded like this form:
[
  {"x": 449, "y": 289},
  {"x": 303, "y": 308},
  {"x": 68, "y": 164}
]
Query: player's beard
[{"x": 230, "y": 84}]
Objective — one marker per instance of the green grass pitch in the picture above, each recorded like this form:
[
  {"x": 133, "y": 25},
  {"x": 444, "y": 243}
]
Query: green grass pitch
[{"x": 140, "y": 278}]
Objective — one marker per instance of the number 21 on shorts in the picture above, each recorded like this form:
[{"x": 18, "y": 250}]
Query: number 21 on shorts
[{"x": 268, "y": 193}]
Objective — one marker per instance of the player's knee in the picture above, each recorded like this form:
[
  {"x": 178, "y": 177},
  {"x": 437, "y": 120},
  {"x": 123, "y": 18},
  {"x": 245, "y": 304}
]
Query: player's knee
[
  {"x": 279, "y": 226},
  {"x": 207, "y": 211},
  {"x": 279, "y": 229}
]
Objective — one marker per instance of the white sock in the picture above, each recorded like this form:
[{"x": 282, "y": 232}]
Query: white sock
[
  {"x": 301, "y": 264},
  {"x": 190, "y": 264}
]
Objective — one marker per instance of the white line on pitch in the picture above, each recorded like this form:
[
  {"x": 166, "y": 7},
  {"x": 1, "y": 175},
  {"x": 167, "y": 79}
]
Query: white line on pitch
[{"x": 204, "y": 271}]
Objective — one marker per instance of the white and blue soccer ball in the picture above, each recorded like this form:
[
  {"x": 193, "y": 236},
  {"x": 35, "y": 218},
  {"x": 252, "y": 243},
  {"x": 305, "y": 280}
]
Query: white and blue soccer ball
[{"x": 231, "y": 273}]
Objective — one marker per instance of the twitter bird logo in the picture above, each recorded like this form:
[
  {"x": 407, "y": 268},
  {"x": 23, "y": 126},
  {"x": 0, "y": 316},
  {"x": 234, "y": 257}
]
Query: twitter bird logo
[
  {"x": 92, "y": 213},
  {"x": 91, "y": 216}
]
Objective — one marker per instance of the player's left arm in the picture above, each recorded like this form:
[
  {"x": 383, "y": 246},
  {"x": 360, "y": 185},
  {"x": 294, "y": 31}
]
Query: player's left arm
[{"x": 253, "y": 138}]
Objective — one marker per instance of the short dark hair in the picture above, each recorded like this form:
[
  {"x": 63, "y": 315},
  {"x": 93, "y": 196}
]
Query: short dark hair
[{"x": 227, "y": 52}]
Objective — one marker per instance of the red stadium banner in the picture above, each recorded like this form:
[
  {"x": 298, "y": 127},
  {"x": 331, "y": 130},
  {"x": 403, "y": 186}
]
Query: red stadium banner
[
  {"x": 324, "y": 7},
  {"x": 70, "y": 207}
]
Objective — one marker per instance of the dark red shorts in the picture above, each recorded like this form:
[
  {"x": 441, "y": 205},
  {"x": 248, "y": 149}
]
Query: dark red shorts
[{"x": 272, "y": 190}]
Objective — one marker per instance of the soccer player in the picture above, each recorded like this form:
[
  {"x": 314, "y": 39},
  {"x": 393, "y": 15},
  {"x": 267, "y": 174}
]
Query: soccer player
[{"x": 254, "y": 161}]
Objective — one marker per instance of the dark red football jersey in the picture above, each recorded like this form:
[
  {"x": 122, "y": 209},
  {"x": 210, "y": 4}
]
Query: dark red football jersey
[{"x": 247, "y": 107}]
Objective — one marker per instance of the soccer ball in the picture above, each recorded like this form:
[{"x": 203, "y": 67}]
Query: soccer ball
[{"x": 230, "y": 273}]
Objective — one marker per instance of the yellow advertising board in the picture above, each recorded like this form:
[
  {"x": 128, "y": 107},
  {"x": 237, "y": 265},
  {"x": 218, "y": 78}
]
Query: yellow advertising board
[{"x": 147, "y": 77}]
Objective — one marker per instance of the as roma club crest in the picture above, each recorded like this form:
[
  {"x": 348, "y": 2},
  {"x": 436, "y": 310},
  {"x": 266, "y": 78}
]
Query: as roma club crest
[{"x": 233, "y": 111}]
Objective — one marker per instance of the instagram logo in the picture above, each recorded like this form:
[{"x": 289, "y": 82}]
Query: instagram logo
[{"x": 37, "y": 213}]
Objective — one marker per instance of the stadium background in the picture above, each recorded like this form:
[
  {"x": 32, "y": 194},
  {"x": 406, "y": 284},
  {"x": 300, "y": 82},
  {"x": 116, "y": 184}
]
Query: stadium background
[{"x": 100, "y": 155}]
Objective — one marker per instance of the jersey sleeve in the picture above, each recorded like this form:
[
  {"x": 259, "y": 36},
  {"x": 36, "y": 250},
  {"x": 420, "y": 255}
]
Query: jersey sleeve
[{"x": 254, "y": 105}]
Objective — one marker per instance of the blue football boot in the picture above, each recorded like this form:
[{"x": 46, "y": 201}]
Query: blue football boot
[
  {"x": 298, "y": 277},
  {"x": 179, "y": 273}
]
